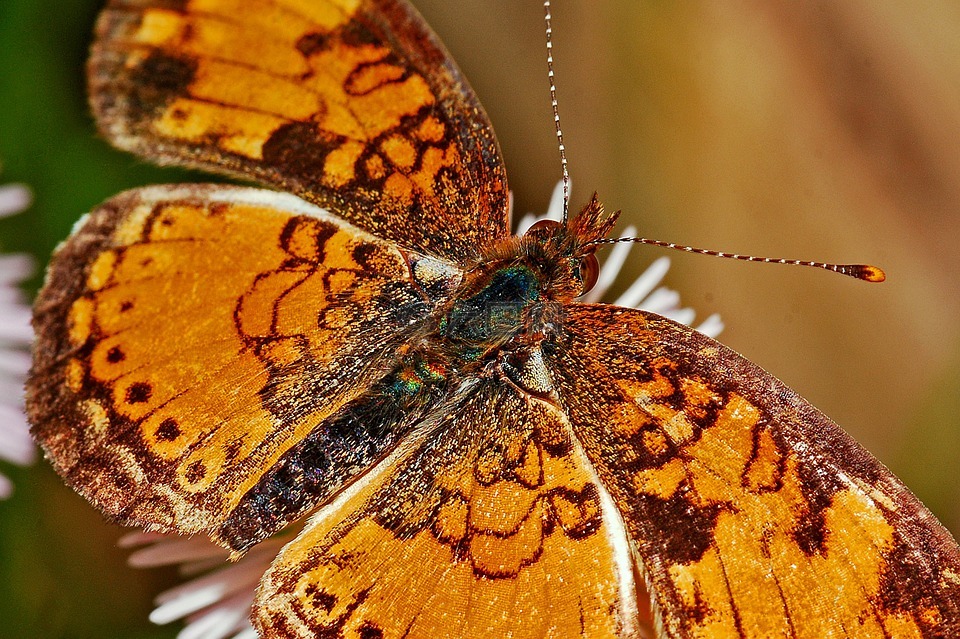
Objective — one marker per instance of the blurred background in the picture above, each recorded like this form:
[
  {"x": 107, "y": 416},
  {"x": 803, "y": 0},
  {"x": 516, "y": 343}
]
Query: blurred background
[{"x": 814, "y": 130}]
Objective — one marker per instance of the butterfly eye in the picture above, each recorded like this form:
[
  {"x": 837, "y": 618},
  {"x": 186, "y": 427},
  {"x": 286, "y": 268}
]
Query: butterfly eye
[
  {"x": 544, "y": 227},
  {"x": 589, "y": 272}
]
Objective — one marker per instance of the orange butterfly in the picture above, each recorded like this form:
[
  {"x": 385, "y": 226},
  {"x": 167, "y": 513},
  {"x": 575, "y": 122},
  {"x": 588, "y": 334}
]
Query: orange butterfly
[{"x": 485, "y": 456}]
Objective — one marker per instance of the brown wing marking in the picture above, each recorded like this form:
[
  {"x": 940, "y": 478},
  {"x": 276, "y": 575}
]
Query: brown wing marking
[
  {"x": 491, "y": 525},
  {"x": 752, "y": 513},
  {"x": 189, "y": 337},
  {"x": 352, "y": 105}
]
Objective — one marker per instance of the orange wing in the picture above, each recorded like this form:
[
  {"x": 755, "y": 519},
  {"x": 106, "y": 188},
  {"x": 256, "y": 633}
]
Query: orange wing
[
  {"x": 489, "y": 523},
  {"x": 752, "y": 514},
  {"x": 351, "y": 104},
  {"x": 208, "y": 358}
]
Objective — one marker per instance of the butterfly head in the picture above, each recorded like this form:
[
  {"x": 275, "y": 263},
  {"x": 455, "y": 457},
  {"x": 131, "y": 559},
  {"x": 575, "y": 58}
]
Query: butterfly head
[
  {"x": 572, "y": 245},
  {"x": 519, "y": 286}
]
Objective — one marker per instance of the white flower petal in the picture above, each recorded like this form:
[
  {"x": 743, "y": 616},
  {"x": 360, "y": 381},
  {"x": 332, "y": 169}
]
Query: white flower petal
[
  {"x": 211, "y": 588},
  {"x": 247, "y": 633},
  {"x": 221, "y": 621},
  {"x": 200, "y": 566},
  {"x": 15, "y": 337},
  {"x": 175, "y": 551},
  {"x": 15, "y": 443},
  {"x": 14, "y": 363},
  {"x": 663, "y": 300},
  {"x": 528, "y": 220},
  {"x": 11, "y": 390},
  {"x": 712, "y": 326},
  {"x": 15, "y": 326},
  {"x": 555, "y": 208},
  {"x": 681, "y": 315},
  {"x": 193, "y": 597},
  {"x": 139, "y": 538},
  {"x": 15, "y": 268},
  {"x": 642, "y": 286},
  {"x": 14, "y": 198},
  {"x": 216, "y": 604}
]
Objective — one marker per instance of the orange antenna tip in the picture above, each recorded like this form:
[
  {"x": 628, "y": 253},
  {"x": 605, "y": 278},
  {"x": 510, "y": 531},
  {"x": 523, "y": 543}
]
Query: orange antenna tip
[{"x": 865, "y": 272}]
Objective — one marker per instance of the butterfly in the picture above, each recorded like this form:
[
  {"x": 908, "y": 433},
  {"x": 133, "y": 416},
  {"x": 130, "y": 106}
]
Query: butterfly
[{"x": 482, "y": 454}]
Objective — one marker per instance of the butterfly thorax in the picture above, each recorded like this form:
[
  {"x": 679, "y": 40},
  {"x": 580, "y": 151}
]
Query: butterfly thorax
[{"x": 512, "y": 299}]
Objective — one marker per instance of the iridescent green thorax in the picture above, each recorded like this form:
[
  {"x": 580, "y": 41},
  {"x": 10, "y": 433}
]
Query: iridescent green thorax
[{"x": 496, "y": 309}]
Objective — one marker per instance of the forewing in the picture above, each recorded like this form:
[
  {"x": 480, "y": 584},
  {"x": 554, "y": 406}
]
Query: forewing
[
  {"x": 752, "y": 514},
  {"x": 351, "y": 104},
  {"x": 199, "y": 347},
  {"x": 490, "y": 523}
]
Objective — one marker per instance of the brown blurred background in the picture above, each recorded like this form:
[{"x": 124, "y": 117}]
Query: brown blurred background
[{"x": 815, "y": 130}]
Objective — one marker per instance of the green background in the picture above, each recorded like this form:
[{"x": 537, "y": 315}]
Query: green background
[{"x": 798, "y": 129}]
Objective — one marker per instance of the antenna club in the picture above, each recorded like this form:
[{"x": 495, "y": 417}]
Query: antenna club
[{"x": 865, "y": 272}]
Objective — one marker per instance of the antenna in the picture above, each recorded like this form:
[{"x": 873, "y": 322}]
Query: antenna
[
  {"x": 547, "y": 18},
  {"x": 865, "y": 272}
]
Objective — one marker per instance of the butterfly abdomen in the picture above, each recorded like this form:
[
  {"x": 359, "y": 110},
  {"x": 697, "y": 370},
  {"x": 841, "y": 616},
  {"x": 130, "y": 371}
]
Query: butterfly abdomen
[{"x": 338, "y": 449}]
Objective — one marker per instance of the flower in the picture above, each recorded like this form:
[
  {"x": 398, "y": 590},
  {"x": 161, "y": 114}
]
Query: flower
[
  {"x": 15, "y": 338},
  {"x": 216, "y": 598}
]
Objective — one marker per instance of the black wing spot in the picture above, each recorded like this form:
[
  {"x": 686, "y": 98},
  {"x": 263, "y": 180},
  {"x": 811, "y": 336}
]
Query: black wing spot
[
  {"x": 195, "y": 472},
  {"x": 168, "y": 430},
  {"x": 370, "y": 631},
  {"x": 300, "y": 149},
  {"x": 160, "y": 79},
  {"x": 139, "y": 393}
]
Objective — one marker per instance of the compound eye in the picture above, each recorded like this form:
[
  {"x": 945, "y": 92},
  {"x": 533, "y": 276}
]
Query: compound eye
[
  {"x": 589, "y": 272},
  {"x": 544, "y": 227}
]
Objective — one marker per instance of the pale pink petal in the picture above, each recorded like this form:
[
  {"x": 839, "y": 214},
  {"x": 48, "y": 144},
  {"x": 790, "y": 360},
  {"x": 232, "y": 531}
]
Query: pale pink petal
[
  {"x": 14, "y": 198},
  {"x": 16, "y": 335}
]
